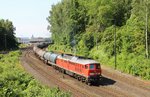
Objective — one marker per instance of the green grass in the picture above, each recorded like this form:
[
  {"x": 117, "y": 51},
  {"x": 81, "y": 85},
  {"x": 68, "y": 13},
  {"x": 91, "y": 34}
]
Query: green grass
[{"x": 23, "y": 45}]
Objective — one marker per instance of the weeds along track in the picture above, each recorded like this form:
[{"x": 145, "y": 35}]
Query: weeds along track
[{"x": 112, "y": 85}]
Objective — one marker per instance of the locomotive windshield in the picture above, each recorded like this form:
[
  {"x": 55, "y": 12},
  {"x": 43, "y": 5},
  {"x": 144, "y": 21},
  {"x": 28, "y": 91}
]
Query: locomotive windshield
[{"x": 92, "y": 66}]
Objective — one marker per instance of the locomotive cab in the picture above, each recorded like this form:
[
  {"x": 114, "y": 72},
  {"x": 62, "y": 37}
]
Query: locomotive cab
[{"x": 94, "y": 72}]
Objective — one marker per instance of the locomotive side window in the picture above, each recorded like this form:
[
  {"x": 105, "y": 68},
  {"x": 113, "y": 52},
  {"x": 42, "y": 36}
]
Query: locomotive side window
[
  {"x": 86, "y": 67},
  {"x": 91, "y": 66}
]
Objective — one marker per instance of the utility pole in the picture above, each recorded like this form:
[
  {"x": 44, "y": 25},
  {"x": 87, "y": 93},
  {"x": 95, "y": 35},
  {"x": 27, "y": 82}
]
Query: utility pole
[
  {"x": 96, "y": 44},
  {"x": 96, "y": 34},
  {"x": 115, "y": 45},
  {"x": 146, "y": 26},
  {"x": 74, "y": 40},
  {"x": 5, "y": 42}
]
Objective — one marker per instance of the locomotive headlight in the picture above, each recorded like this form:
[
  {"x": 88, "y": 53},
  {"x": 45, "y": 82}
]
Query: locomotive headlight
[{"x": 91, "y": 73}]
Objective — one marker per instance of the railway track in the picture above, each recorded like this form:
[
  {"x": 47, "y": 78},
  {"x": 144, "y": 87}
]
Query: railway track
[
  {"x": 53, "y": 78},
  {"x": 108, "y": 87},
  {"x": 95, "y": 90}
]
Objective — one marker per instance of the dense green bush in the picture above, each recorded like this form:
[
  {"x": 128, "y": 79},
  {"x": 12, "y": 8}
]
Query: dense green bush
[
  {"x": 126, "y": 62},
  {"x": 15, "y": 82}
]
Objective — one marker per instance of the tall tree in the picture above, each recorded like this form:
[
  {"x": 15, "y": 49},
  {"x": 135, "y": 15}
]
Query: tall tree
[{"x": 7, "y": 38}]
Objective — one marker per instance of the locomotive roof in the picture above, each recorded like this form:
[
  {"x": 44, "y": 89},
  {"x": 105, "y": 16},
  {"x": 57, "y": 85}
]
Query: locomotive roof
[{"x": 76, "y": 59}]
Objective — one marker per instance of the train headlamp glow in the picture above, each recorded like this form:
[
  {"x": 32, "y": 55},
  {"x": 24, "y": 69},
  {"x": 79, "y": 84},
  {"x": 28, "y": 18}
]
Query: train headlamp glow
[{"x": 91, "y": 73}]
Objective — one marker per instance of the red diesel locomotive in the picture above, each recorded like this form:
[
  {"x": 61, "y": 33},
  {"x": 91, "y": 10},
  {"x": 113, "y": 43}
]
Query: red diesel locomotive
[{"x": 85, "y": 70}]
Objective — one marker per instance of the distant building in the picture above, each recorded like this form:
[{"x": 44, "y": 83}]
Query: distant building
[
  {"x": 39, "y": 40},
  {"x": 23, "y": 40}
]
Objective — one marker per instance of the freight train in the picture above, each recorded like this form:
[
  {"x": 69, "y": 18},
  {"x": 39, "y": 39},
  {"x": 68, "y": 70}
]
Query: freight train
[{"x": 83, "y": 69}]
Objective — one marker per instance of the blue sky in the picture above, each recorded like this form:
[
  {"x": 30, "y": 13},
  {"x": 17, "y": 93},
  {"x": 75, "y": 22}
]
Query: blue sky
[{"x": 28, "y": 16}]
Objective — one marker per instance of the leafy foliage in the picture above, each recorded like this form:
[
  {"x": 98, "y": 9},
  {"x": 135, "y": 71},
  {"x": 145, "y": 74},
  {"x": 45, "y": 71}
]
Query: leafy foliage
[
  {"x": 15, "y": 82},
  {"x": 7, "y": 38},
  {"x": 92, "y": 25}
]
